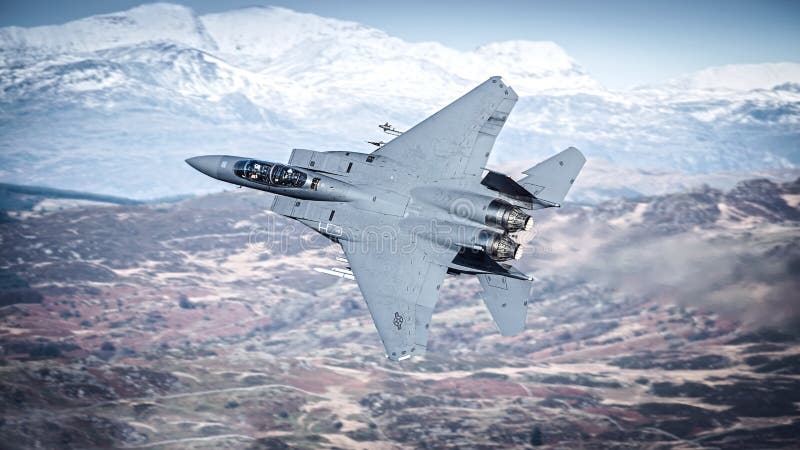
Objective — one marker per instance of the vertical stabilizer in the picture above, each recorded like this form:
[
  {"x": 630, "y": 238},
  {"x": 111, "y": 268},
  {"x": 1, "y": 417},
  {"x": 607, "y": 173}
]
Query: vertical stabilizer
[{"x": 551, "y": 179}]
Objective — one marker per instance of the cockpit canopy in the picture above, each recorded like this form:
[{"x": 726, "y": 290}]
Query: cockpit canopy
[{"x": 270, "y": 174}]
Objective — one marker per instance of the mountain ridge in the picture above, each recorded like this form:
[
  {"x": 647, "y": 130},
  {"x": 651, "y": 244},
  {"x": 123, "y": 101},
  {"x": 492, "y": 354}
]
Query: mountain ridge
[
  {"x": 166, "y": 15},
  {"x": 156, "y": 84}
]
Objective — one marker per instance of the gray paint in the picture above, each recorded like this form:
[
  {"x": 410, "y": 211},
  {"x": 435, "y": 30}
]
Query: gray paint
[{"x": 416, "y": 209}]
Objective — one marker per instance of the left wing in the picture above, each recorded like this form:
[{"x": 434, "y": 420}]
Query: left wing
[
  {"x": 399, "y": 279},
  {"x": 456, "y": 141}
]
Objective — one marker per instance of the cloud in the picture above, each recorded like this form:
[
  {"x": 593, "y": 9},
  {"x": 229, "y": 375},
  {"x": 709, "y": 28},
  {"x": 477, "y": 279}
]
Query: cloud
[{"x": 742, "y": 281}]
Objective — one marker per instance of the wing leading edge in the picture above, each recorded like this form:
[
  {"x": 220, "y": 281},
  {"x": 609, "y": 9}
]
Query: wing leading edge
[{"x": 456, "y": 141}]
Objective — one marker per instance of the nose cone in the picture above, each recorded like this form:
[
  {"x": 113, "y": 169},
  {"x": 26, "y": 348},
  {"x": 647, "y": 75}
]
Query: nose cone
[{"x": 206, "y": 164}]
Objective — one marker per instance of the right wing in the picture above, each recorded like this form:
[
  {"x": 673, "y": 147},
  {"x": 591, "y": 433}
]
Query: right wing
[
  {"x": 456, "y": 141},
  {"x": 399, "y": 279}
]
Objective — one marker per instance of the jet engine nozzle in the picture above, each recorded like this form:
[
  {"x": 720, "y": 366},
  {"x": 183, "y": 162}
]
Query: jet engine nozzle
[
  {"x": 510, "y": 218},
  {"x": 500, "y": 247}
]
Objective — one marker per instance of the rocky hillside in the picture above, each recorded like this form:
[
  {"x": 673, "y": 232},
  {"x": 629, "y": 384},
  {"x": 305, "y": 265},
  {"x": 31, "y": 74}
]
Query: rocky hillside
[{"x": 661, "y": 322}]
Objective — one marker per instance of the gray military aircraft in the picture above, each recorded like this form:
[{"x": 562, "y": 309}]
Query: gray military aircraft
[{"x": 417, "y": 208}]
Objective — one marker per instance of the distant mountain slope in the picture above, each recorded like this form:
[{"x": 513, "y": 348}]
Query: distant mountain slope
[
  {"x": 739, "y": 77},
  {"x": 114, "y": 103},
  {"x": 14, "y": 197}
]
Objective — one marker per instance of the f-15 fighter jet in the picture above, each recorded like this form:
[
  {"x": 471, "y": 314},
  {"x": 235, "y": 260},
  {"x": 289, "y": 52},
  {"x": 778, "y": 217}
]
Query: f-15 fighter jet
[{"x": 416, "y": 209}]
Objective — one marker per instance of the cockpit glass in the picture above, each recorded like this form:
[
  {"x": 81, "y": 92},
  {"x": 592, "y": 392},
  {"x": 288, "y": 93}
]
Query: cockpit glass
[{"x": 269, "y": 173}]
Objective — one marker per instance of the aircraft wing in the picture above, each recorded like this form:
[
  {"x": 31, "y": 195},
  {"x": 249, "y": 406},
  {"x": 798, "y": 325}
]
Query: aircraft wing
[
  {"x": 400, "y": 282},
  {"x": 456, "y": 141}
]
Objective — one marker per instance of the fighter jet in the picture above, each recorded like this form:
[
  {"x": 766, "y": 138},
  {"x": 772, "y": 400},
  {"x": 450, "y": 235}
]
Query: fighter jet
[{"x": 416, "y": 209}]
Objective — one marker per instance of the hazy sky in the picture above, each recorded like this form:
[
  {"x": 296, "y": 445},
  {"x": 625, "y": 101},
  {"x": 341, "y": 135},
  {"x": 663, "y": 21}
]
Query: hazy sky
[{"x": 619, "y": 43}]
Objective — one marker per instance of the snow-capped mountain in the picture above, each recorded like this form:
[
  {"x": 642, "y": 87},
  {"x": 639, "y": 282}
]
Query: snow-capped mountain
[
  {"x": 114, "y": 103},
  {"x": 738, "y": 77}
]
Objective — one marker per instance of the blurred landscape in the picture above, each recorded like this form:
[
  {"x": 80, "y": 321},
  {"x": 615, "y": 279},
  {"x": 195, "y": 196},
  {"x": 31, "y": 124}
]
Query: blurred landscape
[
  {"x": 660, "y": 322},
  {"x": 142, "y": 306}
]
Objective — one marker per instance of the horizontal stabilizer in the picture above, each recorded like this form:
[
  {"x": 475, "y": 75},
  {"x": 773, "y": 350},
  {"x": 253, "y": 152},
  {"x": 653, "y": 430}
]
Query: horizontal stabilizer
[
  {"x": 551, "y": 179},
  {"x": 507, "y": 301}
]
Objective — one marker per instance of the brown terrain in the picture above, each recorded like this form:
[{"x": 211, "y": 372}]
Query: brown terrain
[{"x": 663, "y": 322}]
